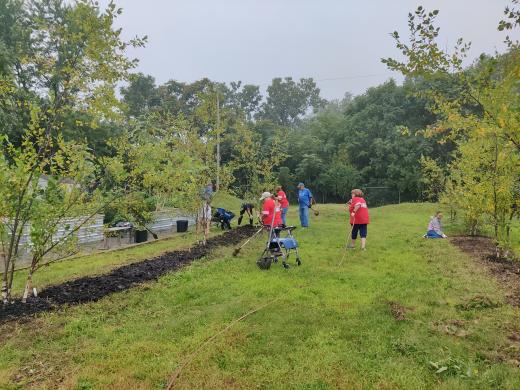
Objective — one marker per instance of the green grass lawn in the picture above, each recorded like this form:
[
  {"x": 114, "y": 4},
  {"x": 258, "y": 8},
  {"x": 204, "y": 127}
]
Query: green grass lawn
[
  {"x": 226, "y": 201},
  {"x": 332, "y": 328}
]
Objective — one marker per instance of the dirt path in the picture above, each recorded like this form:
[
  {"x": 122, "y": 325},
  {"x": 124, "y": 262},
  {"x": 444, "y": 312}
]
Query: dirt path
[
  {"x": 507, "y": 272},
  {"x": 93, "y": 288}
]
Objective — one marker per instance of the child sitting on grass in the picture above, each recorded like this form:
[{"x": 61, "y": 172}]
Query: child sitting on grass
[{"x": 435, "y": 227}]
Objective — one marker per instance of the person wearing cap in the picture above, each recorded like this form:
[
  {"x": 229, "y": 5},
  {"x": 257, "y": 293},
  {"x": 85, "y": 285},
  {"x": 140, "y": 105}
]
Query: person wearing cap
[{"x": 305, "y": 201}]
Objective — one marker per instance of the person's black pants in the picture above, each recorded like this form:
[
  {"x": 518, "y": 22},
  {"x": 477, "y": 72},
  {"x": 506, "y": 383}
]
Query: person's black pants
[
  {"x": 361, "y": 228},
  {"x": 249, "y": 212}
]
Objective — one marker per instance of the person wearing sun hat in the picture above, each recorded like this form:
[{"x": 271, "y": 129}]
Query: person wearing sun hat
[
  {"x": 305, "y": 200},
  {"x": 268, "y": 208},
  {"x": 271, "y": 213}
]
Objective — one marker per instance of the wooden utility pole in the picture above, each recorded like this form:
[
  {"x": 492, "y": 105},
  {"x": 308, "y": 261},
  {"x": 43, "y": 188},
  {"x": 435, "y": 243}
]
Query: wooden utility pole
[{"x": 218, "y": 144}]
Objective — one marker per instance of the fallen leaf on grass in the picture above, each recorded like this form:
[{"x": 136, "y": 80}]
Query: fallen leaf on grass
[
  {"x": 398, "y": 311},
  {"x": 478, "y": 302}
]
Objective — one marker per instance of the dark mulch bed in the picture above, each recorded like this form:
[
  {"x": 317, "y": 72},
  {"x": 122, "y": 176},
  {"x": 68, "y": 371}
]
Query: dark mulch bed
[
  {"x": 93, "y": 288},
  {"x": 482, "y": 249}
]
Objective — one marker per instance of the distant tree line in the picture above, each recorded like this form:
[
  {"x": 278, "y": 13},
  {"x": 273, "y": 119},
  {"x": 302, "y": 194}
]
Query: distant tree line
[{"x": 372, "y": 140}]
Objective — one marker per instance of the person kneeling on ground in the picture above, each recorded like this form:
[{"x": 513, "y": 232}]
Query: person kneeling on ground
[
  {"x": 359, "y": 218},
  {"x": 435, "y": 227},
  {"x": 223, "y": 217}
]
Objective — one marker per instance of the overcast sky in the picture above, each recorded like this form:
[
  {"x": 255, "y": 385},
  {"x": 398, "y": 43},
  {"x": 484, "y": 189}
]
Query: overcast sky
[{"x": 256, "y": 40}]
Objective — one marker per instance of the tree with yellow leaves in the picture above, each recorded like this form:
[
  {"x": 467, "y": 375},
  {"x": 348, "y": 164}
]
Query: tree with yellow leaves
[{"x": 482, "y": 117}]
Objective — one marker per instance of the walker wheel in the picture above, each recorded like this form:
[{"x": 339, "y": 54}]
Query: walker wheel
[
  {"x": 286, "y": 266},
  {"x": 298, "y": 262},
  {"x": 264, "y": 263}
]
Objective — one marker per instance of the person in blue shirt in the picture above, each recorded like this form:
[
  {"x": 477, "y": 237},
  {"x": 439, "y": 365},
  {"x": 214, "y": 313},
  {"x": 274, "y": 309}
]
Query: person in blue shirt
[{"x": 305, "y": 201}]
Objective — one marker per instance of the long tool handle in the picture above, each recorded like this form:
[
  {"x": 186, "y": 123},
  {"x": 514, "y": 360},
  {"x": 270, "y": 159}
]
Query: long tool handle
[
  {"x": 250, "y": 238},
  {"x": 349, "y": 236},
  {"x": 171, "y": 382},
  {"x": 271, "y": 228}
]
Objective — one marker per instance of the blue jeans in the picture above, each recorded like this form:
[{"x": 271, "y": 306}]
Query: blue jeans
[
  {"x": 304, "y": 216},
  {"x": 432, "y": 234},
  {"x": 284, "y": 215}
]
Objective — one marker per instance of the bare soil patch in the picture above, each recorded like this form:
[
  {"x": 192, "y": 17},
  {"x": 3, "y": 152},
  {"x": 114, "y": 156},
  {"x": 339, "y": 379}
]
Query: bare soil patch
[
  {"x": 507, "y": 272},
  {"x": 93, "y": 288},
  {"x": 455, "y": 328},
  {"x": 398, "y": 311}
]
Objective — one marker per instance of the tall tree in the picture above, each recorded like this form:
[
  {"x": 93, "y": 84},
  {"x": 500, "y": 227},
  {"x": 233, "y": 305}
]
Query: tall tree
[
  {"x": 486, "y": 134},
  {"x": 246, "y": 98},
  {"x": 15, "y": 75},
  {"x": 140, "y": 95},
  {"x": 73, "y": 63},
  {"x": 287, "y": 100}
]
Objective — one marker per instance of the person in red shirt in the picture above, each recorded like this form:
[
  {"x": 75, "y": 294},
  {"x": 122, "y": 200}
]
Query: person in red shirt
[
  {"x": 277, "y": 213},
  {"x": 359, "y": 218},
  {"x": 271, "y": 213},
  {"x": 284, "y": 203}
]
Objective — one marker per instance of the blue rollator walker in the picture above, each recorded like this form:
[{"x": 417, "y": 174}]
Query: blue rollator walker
[{"x": 278, "y": 246}]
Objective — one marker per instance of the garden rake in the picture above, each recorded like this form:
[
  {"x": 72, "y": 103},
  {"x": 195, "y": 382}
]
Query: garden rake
[
  {"x": 237, "y": 250},
  {"x": 346, "y": 242}
]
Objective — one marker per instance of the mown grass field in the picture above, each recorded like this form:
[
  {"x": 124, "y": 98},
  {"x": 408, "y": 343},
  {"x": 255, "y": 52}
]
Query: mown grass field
[{"x": 383, "y": 319}]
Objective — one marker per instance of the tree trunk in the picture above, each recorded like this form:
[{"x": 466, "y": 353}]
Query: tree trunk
[
  {"x": 452, "y": 214},
  {"x": 197, "y": 223},
  {"x": 11, "y": 260},
  {"x": 495, "y": 197},
  {"x": 10, "y": 281},
  {"x": 4, "y": 279},
  {"x": 28, "y": 282},
  {"x": 5, "y": 298},
  {"x": 28, "y": 286},
  {"x": 508, "y": 227},
  {"x": 205, "y": 222},
  {"x": 206, "y": 229}
]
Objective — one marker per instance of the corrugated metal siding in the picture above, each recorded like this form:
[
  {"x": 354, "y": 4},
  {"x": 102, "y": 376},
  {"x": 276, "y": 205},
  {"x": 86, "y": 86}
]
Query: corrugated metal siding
[
  {"x": 91, "y": 231},
  {"x": 165, "y": 221}
]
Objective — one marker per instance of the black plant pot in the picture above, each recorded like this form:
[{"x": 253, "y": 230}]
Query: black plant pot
[{"x": 182, "y": 225}]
